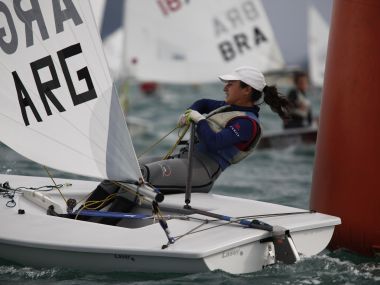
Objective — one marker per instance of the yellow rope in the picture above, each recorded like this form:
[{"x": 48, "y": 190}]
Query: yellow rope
[
  {"x": 177, "y": 142},
  {"x": 89, "y": 205},
  {"x": 156, "y": 143},
  {"x": 55, "y": 184}
]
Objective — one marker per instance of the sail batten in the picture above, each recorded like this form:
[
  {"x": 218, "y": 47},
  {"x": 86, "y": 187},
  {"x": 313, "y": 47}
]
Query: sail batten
[{"x": 59, "y": 106}]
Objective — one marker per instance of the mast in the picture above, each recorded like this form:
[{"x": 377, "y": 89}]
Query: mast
[{"x": 190, "y": 166}]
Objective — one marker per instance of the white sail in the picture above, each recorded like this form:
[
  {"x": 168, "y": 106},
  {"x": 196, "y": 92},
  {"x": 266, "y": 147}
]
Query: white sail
[
  {"x": 318, "y": 33},
  {"x": 113, "y": 44},
  {"x": 194, "y": 41},
  {"x": 58, "y": 105},
  {"x": 98, "y": 8}
]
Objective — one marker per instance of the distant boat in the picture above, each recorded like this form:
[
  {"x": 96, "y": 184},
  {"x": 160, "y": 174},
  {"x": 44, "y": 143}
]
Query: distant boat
[
  {"x": 284, "y": 138},
  {"x": 114, "y": 45},
  {"x": 192, "y": 42},
  {"x": 288, "y": 137},
  {"x": 318, "y": 33}
]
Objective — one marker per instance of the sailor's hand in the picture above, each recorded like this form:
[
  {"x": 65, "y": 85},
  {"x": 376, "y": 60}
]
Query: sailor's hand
[
  {"x": 182, "y": 121},
  {"x": 194, "y": 116}
]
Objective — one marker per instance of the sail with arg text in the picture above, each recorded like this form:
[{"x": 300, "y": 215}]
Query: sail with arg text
[{"x": 59, "y": 106}]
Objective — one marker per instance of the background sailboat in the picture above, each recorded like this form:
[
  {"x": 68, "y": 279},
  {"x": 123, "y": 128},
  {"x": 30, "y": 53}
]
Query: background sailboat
[
  {"x": 161, "y": 42},
  {"x": 114, "y": 45},
  {"x": 318, "y": 33}
]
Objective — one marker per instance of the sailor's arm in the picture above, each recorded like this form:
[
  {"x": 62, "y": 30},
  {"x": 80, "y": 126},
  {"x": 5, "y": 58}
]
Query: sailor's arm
[{"x": 238, "y": 131}]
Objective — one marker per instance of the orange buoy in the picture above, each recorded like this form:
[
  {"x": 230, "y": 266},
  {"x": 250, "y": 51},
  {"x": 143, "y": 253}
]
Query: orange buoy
[{"x": 346, "y": 178}]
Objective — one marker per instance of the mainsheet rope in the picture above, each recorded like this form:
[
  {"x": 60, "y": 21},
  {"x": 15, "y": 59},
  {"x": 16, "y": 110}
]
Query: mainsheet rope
[{"x": 180, "y": 137}]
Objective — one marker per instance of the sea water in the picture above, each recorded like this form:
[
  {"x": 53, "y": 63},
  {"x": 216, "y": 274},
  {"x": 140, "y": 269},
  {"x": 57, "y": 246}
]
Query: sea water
[{"x": 281, "y": 176}]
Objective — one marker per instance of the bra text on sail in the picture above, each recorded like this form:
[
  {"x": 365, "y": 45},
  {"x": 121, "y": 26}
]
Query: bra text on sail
[{"x": 233, "y": 24}]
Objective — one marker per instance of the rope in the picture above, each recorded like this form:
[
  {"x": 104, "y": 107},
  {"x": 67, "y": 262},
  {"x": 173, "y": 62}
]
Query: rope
[
  {"x": 7, "y": 192},
  {"x": 277, "y": 214},
  {"x": 192, "y": 231},
  {"x": 164, "y": 225},
  {"x": 186, "y": 128},
  {"x": 177, "y": 142},
  {"x": 55, "y": 184},
  {"x": 98, "y": 204},
  {"x": 169, "y": 153},
  {"x": 156, "y": 143},
  {"x": 197, "y": 229}
]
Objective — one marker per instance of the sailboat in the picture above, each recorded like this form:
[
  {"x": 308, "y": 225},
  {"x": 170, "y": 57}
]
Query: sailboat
[
  {"x": 113, "y": 45},
  {"x": 318, "y": 34},
  {"x": 279, "y": 139},
  {"x": 168, "y": 46},
  {"x": 60, "y": 109}
]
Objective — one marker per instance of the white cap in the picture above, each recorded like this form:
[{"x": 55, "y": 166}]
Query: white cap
[{"x": 249, "y": 75}]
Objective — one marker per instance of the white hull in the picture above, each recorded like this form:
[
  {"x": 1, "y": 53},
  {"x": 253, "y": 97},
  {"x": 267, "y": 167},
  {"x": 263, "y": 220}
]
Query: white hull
[
  {"x": 289, "y": 137},
  {"x": 36, "y": 239}
]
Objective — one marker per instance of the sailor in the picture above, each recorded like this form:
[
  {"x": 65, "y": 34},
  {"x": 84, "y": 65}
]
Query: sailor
[
  {"x": 300, "y": 114},
  {"x": 226, "y": 133}
]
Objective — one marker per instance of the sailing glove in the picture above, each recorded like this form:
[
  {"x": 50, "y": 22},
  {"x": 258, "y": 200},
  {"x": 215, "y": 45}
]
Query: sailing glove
[
  {"x": 182, "y": 121},
  {"x": 194, "y": 116}
]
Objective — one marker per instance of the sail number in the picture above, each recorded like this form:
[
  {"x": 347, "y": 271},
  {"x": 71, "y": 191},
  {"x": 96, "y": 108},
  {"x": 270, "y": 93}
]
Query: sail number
[
  {"x": 45, "y": 88},
  {"x": 231, "y": 23},
  {"x": 33, "y": 18},
  {"x": 9, "y": 43},
  {"x": 171, "y": 6}
]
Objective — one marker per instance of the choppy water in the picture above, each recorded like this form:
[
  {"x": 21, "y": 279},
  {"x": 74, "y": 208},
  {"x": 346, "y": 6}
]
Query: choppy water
[{"x": 278, "y": 176}]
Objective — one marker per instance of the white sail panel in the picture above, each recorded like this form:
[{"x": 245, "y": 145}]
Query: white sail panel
[
  {"x": 98, "y": 8},
  {"x": 59, "y": 107},
  {"x": 113, "y": 48},
  {"x": 113, "y": 44},
  {"x": 318, "y": 34},
  {"x": 194, "y": 41}
]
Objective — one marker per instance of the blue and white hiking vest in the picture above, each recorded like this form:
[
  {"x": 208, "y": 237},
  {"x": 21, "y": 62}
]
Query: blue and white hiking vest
[{"x": 235, "y": 153}]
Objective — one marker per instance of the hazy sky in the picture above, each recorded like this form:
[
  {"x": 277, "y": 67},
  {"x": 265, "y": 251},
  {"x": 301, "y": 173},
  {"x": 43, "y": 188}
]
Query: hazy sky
[
  {"x": 288, "y": 19},
  {"x": 289, "y": 22}
]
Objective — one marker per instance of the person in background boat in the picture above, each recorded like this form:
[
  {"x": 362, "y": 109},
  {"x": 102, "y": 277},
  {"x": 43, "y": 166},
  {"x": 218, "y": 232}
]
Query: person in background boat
[
  {"x": 227, "y": 131},
  {"x": 300, "y": 113}
]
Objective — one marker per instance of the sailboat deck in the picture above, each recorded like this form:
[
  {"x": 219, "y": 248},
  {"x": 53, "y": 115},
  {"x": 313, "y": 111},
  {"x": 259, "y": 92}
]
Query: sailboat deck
[{"x": 74, "y": 235}]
